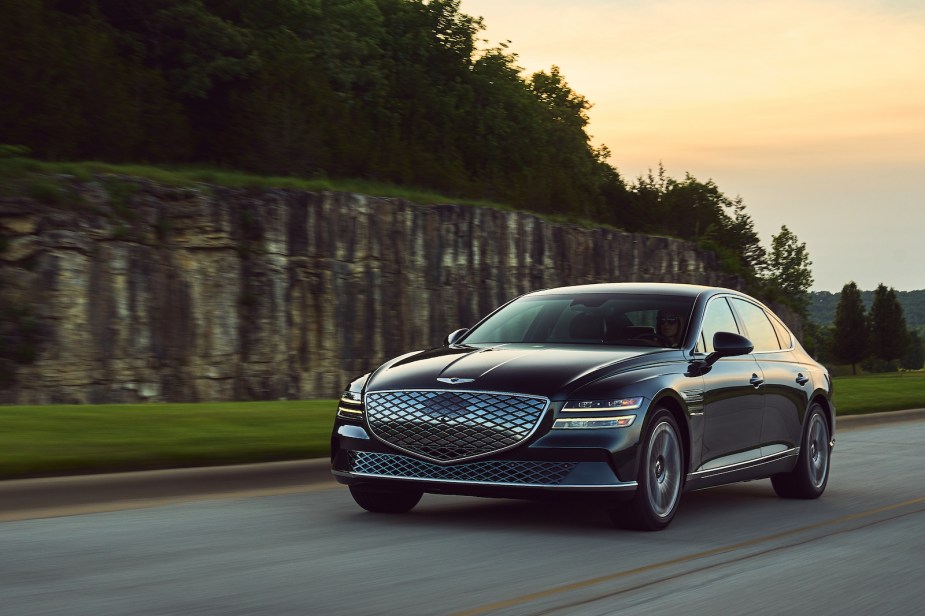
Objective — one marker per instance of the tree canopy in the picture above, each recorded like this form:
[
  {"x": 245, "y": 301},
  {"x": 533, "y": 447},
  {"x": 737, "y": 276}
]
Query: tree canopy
[
  {"x": 788, "y": 268},
  {"x": 400, "y": 91},
  {"x": 889, "y": 338},
  {"x": 849, "y": 340}
]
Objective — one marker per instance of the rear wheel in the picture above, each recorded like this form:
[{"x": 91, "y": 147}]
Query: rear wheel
[
  {"x": 659, "y": 477},
  {"x": 811, "y": 474},
  {"x": 385, "y": 501}
]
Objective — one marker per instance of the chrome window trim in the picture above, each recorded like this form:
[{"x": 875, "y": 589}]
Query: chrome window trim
[{"x": 772, "y": 352}]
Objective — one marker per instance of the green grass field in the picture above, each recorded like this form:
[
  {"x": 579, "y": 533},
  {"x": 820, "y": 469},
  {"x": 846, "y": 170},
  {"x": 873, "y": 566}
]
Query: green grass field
[
  {"x": 51, "y": 440},
  {"x": 880, "y": 392},
  {"x": 54, "y": 440}
]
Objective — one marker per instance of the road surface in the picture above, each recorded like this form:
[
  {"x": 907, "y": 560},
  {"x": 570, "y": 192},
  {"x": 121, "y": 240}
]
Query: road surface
[{"x": 860, "y": 549}]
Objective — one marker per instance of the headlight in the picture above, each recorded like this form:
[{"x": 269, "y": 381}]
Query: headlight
[
  {"x": 591, "y": 421},
  {"x": 351, "y": 405},
  {"x": 621, "y": 404}
]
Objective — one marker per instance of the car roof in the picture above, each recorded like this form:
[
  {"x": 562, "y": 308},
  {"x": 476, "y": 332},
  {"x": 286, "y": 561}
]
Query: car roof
[{"x": 642, "y": 288}]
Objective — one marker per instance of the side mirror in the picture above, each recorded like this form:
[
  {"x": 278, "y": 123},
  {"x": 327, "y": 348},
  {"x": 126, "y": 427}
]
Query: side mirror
[
  {"x": 727, "y": 344},
  {"x": 455, "y": 336}
]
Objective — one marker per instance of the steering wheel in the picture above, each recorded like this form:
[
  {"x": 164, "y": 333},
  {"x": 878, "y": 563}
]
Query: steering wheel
[{"x": 654, "y": 337}]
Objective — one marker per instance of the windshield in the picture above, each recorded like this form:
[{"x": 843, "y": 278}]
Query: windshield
[{"x": 595, "y": 318}]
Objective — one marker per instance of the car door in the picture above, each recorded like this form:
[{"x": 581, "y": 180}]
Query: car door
[
  {"x": 787, "y": 385},
  {"x": 732, "y": 408}
]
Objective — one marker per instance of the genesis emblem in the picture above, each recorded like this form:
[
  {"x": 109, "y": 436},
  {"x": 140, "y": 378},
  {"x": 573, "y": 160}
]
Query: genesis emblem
[{"x": 453, "y": 380}]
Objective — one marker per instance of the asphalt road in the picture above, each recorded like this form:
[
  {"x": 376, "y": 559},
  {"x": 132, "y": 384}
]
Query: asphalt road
[{"x": 860, "y": 549}]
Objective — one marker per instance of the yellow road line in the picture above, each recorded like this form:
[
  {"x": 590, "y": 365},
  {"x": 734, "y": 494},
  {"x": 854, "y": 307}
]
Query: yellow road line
[{"x": 565, "y": 588}]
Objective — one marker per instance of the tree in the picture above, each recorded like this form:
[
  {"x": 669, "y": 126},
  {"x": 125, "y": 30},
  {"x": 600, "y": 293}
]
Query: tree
[
  {"x": 788, "y": 268},
  {"x": 914, "y": 358},
  {"x": 849, "y": 343},
  {"x": 889, "y": 338}
]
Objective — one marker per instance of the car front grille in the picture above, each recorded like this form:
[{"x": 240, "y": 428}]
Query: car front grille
[
  {"x": 511, "y": 472},
  {"x": 450, "y": 426}
]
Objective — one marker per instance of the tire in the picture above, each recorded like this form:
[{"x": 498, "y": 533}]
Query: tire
[
  {"x": 384, "y": 501},
  {"x": 811, "y": 474},
  {"x": 660, "y": 478}
]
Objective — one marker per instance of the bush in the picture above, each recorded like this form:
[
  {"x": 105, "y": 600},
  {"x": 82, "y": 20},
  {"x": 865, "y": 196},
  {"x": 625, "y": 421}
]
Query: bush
[
  {"x": 876, "y": 365},
  {"x": 13, "y": 151}
]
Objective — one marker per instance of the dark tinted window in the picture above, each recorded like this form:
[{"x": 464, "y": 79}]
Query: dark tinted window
[
  {"x": 593, "y": 318},
  {"x": 758, "y": 326},
  {"x": 718, "y": 318}
]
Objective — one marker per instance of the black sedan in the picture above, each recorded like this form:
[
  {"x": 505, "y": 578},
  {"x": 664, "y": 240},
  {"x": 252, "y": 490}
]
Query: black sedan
[{"x": 629, "y": 394}]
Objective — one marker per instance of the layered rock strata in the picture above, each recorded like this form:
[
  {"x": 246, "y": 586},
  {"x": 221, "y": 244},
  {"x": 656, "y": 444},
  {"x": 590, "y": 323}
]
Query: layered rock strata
[{"x": 178, "y": 294}]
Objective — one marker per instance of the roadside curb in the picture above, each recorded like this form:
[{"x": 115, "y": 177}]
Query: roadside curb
[
  {"x": 69, "y": 495},
  {"x": 848, "y": 422},
  {"x": 83, "y": 493}
]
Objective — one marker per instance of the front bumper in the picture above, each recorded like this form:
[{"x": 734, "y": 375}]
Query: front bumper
[{"x": 555, "y": 464}]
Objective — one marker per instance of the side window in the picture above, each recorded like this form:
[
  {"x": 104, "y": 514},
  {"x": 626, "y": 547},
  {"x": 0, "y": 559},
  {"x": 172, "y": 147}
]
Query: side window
[
  {"x": 759, "y": 328},
  {"x": 783, "y": 334},
  {"x": 718, "y": 318}
]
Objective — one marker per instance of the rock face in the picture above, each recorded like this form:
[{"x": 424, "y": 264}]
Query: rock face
[{"x": 167, "y": 294}]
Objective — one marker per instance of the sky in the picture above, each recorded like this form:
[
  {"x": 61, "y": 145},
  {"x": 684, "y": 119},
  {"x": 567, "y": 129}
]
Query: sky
[{"x": 812, "y": 111}]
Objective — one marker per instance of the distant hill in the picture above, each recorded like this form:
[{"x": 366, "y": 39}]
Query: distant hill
[{"x": 822, "y": 306}]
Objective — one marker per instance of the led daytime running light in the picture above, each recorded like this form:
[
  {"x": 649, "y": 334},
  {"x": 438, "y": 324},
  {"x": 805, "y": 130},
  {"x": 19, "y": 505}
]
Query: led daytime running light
[
  {"x": 351, "y": 405},
  {"x": 622, "y": 404},
  {"x": 584, "y": 423}
]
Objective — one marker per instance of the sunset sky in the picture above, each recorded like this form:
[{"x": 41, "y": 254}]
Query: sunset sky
[{"x": 812, "y": 111}]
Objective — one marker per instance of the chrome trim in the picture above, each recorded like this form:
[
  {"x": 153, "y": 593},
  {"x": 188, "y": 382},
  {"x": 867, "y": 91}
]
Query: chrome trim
[
  {"x": 456, "y": 391},
  {"x": 631, "y": 407},
  {"x": 565, "y": 421},
  {"x": 721, "y": 470},
  {"x": 540, "y": 416},
  {"x": 351, "y": 431},
  {"x": 615, "y": 487},
  {"x": 694, "y": 400}
]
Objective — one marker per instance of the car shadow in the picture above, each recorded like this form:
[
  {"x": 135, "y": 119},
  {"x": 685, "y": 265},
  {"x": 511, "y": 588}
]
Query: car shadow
[{"x": 705, "y": 507}]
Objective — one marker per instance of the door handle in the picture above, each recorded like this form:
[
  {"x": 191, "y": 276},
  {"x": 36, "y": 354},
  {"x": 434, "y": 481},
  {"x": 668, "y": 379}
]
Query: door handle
[
  {"x": 802, "y": 380},
  {"x": 756, "y": 380}
]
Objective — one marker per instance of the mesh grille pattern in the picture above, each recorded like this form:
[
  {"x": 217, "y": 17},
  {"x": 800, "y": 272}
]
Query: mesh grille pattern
[
  {"x": 447, "y": 426},
  {"x": 489, "y": 471}
]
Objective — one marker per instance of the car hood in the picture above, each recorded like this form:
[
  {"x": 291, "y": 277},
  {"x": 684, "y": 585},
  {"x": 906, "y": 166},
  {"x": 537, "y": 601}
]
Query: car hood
[{"x": 550, "y": 371}]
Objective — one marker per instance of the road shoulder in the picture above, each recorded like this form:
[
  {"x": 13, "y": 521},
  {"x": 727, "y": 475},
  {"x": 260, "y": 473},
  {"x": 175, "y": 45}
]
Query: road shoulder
[{"x": 74, "y": 495}]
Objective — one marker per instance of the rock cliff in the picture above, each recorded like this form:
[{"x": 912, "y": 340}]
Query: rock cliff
[{"x": 128, "y": 291}]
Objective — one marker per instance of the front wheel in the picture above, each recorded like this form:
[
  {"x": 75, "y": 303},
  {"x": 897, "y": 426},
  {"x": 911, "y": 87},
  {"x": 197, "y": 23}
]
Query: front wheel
[
  {"x": 811, "y": 474},
  {"x": 383, "y": 501},
  {"x": 660, "y": 477}
]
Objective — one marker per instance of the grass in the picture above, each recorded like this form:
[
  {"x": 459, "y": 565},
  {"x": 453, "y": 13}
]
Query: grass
[
  {"x": 68, "y": 439},
  {"x": 21, "y": 176},
  {"x": 65, "y": 439},
  {"x": 894, "y": 391}
]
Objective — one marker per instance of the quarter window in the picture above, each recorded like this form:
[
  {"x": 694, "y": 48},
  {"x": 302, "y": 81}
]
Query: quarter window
[
  {"x": 783, "y": 334},
  {"x": 759, "y": 328}
]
